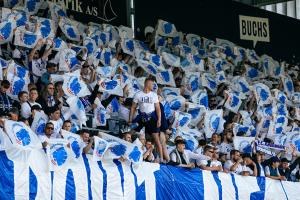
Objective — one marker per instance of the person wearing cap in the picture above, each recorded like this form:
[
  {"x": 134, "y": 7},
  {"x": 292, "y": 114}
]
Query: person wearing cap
[
  {"x": 272, "y": 170},
  {"x": 26, "y": 106},
  {"x": 179, "y": 156},
  {"x": 211, "y": 163}
]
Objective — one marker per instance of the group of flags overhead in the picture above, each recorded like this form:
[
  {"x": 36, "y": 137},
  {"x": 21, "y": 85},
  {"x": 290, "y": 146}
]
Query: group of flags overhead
[{"x": 19, "y": 140}]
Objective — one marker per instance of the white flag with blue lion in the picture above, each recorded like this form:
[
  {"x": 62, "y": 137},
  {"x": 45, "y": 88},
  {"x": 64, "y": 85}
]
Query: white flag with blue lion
[
  {"x": 243, "y": 144},
  {"x": 73, "y": 86},
  {"x": 39, "y": 122},
  {"x": 213, "y": 121},
  {"x": 21, "y": 135},
  {"x": 58, "y": 153},
  {"x": 100, "y": 148},
  {"x": 75, "y": 143}
]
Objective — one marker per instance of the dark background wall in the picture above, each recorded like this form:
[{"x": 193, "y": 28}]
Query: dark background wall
[{"x": 220, "y": 19}]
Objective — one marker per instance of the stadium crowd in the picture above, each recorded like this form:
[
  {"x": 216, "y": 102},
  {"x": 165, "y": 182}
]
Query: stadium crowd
[{"x": 173, "y": 85}]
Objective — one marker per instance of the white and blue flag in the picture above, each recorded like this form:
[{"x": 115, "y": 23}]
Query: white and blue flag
[
  {"x": 166, "y": 78},
  {"x": 192, "y": 81},
  {"x": 39, "y": 122},
  {"x": 166, "y": 29},
  {"x": 288, "y": 85},
  {"x": 182, "y": 119},
  {"x": 6, "y": 31},
  {"x": 197, "y": 112},
  {"x": 262, "y": 94},
  {"x": 25, "y": 38},
  {"x": 177, "y": 103},
  {"x": 68, "y": 61},
  {"x": 243, "y": 144},
  {"x": 213, "y": 121},
  {"x": 77, "y": 108},
  {"x": 75, "y": 142},
  {"x": 233, "y": 102},
  {"x": 100, "y": 148},
  {"x": 69, "y": 29},
  {"x": 59, "y": 155},
  {"x": 200, "y": 97},
  {"x": 171, "y": 59},
  {"x": 99, "y": 116},
  {"x": 73, "y": 86},
  {"x": 209, "y": 81}
]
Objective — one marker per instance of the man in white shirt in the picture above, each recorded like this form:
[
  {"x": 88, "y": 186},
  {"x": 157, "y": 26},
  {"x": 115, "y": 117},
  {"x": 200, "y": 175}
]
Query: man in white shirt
[
  {"x": 210, "y": 163},
  {"x": 226, "y": 146},
  {"x": 234, "y": 164},
  {"x": 48, "y": 134},
  {"x": 149, "y": 113},
  {"x": 26, "y": 106}
]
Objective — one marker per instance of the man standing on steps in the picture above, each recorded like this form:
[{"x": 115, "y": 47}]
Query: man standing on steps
[{"x": 149, "y": 113}]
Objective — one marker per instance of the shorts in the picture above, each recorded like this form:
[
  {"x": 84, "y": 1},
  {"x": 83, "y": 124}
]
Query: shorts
[{"x": 147, "y": 121}]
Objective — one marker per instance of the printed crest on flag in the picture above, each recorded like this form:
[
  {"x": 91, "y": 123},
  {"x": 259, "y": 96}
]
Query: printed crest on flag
[
  {"x": 75, "y": 142},
  {"x": 69, "y": 29},
  {"x": 288, "y": 85},
  {"x": 177, "y": 103},
  {"x": 106, "y": 56},
  {"x": 166, "y": 29},
  {"x": 221, "y": 78},
  {"x": 46, "y": 27},
  {"x": 21, "y": 135},
  {"x": 58, "y": 154},
  {"x": 39, "y": 122},
  {"x": 17, "y": 70},
  {"x": 106, "y": 71},
  {"x": 233, "y": 102},
  {"x": 280, "y": 96},
  {"x": 156, "y": 60},
  {"x": 166, "y": 78},
  {"x": 262, "y": 94},
  {"x": 197, "y": 112},
  {"x": 58, "y": 44},
  {"x": 200, "y": 97},
  {"x": 99, "y": 116},
  {"x": 209, "y": 81},
  {"x": 73, "y": 86},
  {"x": 243, "y": 144},
  {"x": 171, "y": 59},
  {"x": 16, "y": 85},
  {"x": 148, "y": 67},
  {"x": 252, "y": 73},
  {"x": 128, "y": 46},
  {"x": 77, "y": 108},
  {"x": 25, "y": 38},
  {"x": 90, "y": 45},
  {"x": 182, "y": 119},
  {"x": 170, "y": 91},
  {"x": 68, "y": 60},
  {"x": 213, "y": 120},
  {"x": 111, "y": 86},
  {"x": 31, "y": 6},
  {"x": 227, "y": 45},
  {"x": 6, "y": 32},
  {"x": 101, "y": 146},
  {"x": 193, "y": 41},
  {"x": 192, "y": 81}
]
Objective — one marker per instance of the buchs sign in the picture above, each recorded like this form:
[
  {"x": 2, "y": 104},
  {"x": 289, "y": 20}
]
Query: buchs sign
[{"x": 254, "y": 28}]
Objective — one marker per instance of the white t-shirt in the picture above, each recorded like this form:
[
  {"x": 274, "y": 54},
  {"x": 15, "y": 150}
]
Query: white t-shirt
[
  {"x": 26, "y": 108},
  {"x": 146, "y": 101},
  {"x": 228, "y": 164},
  {"x": 225, "y": 149}
]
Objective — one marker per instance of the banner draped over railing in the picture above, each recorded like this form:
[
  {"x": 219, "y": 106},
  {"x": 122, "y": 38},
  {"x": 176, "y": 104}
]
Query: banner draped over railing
[{"x": 113, "y": 179}]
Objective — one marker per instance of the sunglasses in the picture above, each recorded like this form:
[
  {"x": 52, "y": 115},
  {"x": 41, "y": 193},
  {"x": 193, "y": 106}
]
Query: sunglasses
[{"x": 51, "y": 128}]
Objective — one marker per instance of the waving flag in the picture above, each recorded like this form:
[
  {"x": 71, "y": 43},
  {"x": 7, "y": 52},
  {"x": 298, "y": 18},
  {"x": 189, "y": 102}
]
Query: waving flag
[
  {"x": 77, "y": 108},
  {"x": 121, "y": 148},
  {"x": 252, "y": 56},
  {"x": 294, "y": 139},
  {"x": 218, "y": 64},
  {"x": 26, "y": 38},
  {"x": 17, "y": 70},
  {"x": 156, "y": 60},
  {"x": 262, "y": 94},
  {"x": 281, "y": 109},
  {"x": 295, "y": 97},
  {"x": 193, "y": 41},
  {"x": 10, "y": 3},
  {"x": 176, "y": 102},
  {"x": 167, "y": 110},
  {"x": 227, "y": 45},
  {"x": 106, "y": 71},
  {"x": 169, "y": 91},
  {"x": 99, "y": 116},
  {"x": 166, "y": 78},
  {"x": 46, "y": 27},
  {"x": 288, "y": 85},
  {"x": 90, "y": 45},
  {"x": 68, "y": 60},
  {"x": 213, "y": 120},
  {"x": 244, "y": 130},
  {"x": 75, "y": 141},
  {"x": 278, "y": 125},
  {"x": 6, "y": 32},
  {"x": 281, "y": 139},
  {"x": 166, "y": 29},
  {"x": 32, "y": 6},
  {"x": 185, "y": 131},
  {"x": 16, "y": 85},
  {"x": 39, "y": 123},
  {"x": 185, "y": 50},
  {"x": 192, "y": 81},
  {"x": 240, "y": 84},
  {"x": 246, "y": 117},
  {"x": 196, "y": 112},
  {"x": 111, "y": 86},
  {"x": 280, "y": 96},
  {"x": 69, "y": 29},
  {"x": 148, "y": 67},
  {"x": 252, "y": 73},
  {"x": 171, "y": 59},
  {"x": 128, "y": 46},
  {"x": 106, "y": 56},
  {"x": 58, "y": 154},
  {"x": 209, "y": 81},
  {"x": 59, "y": 44},
  {"x": 73, "y": 86},
  {"x": 21, "y": 135},
  {"x": 160, "y": 41},
  {"x": 181, "y": 119},
  {"x": 200, "y": 97},
  {"x": 233, "y": 102},
  {"x": 243, "y": 144},
  {"x": 100, "y": 148}
]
